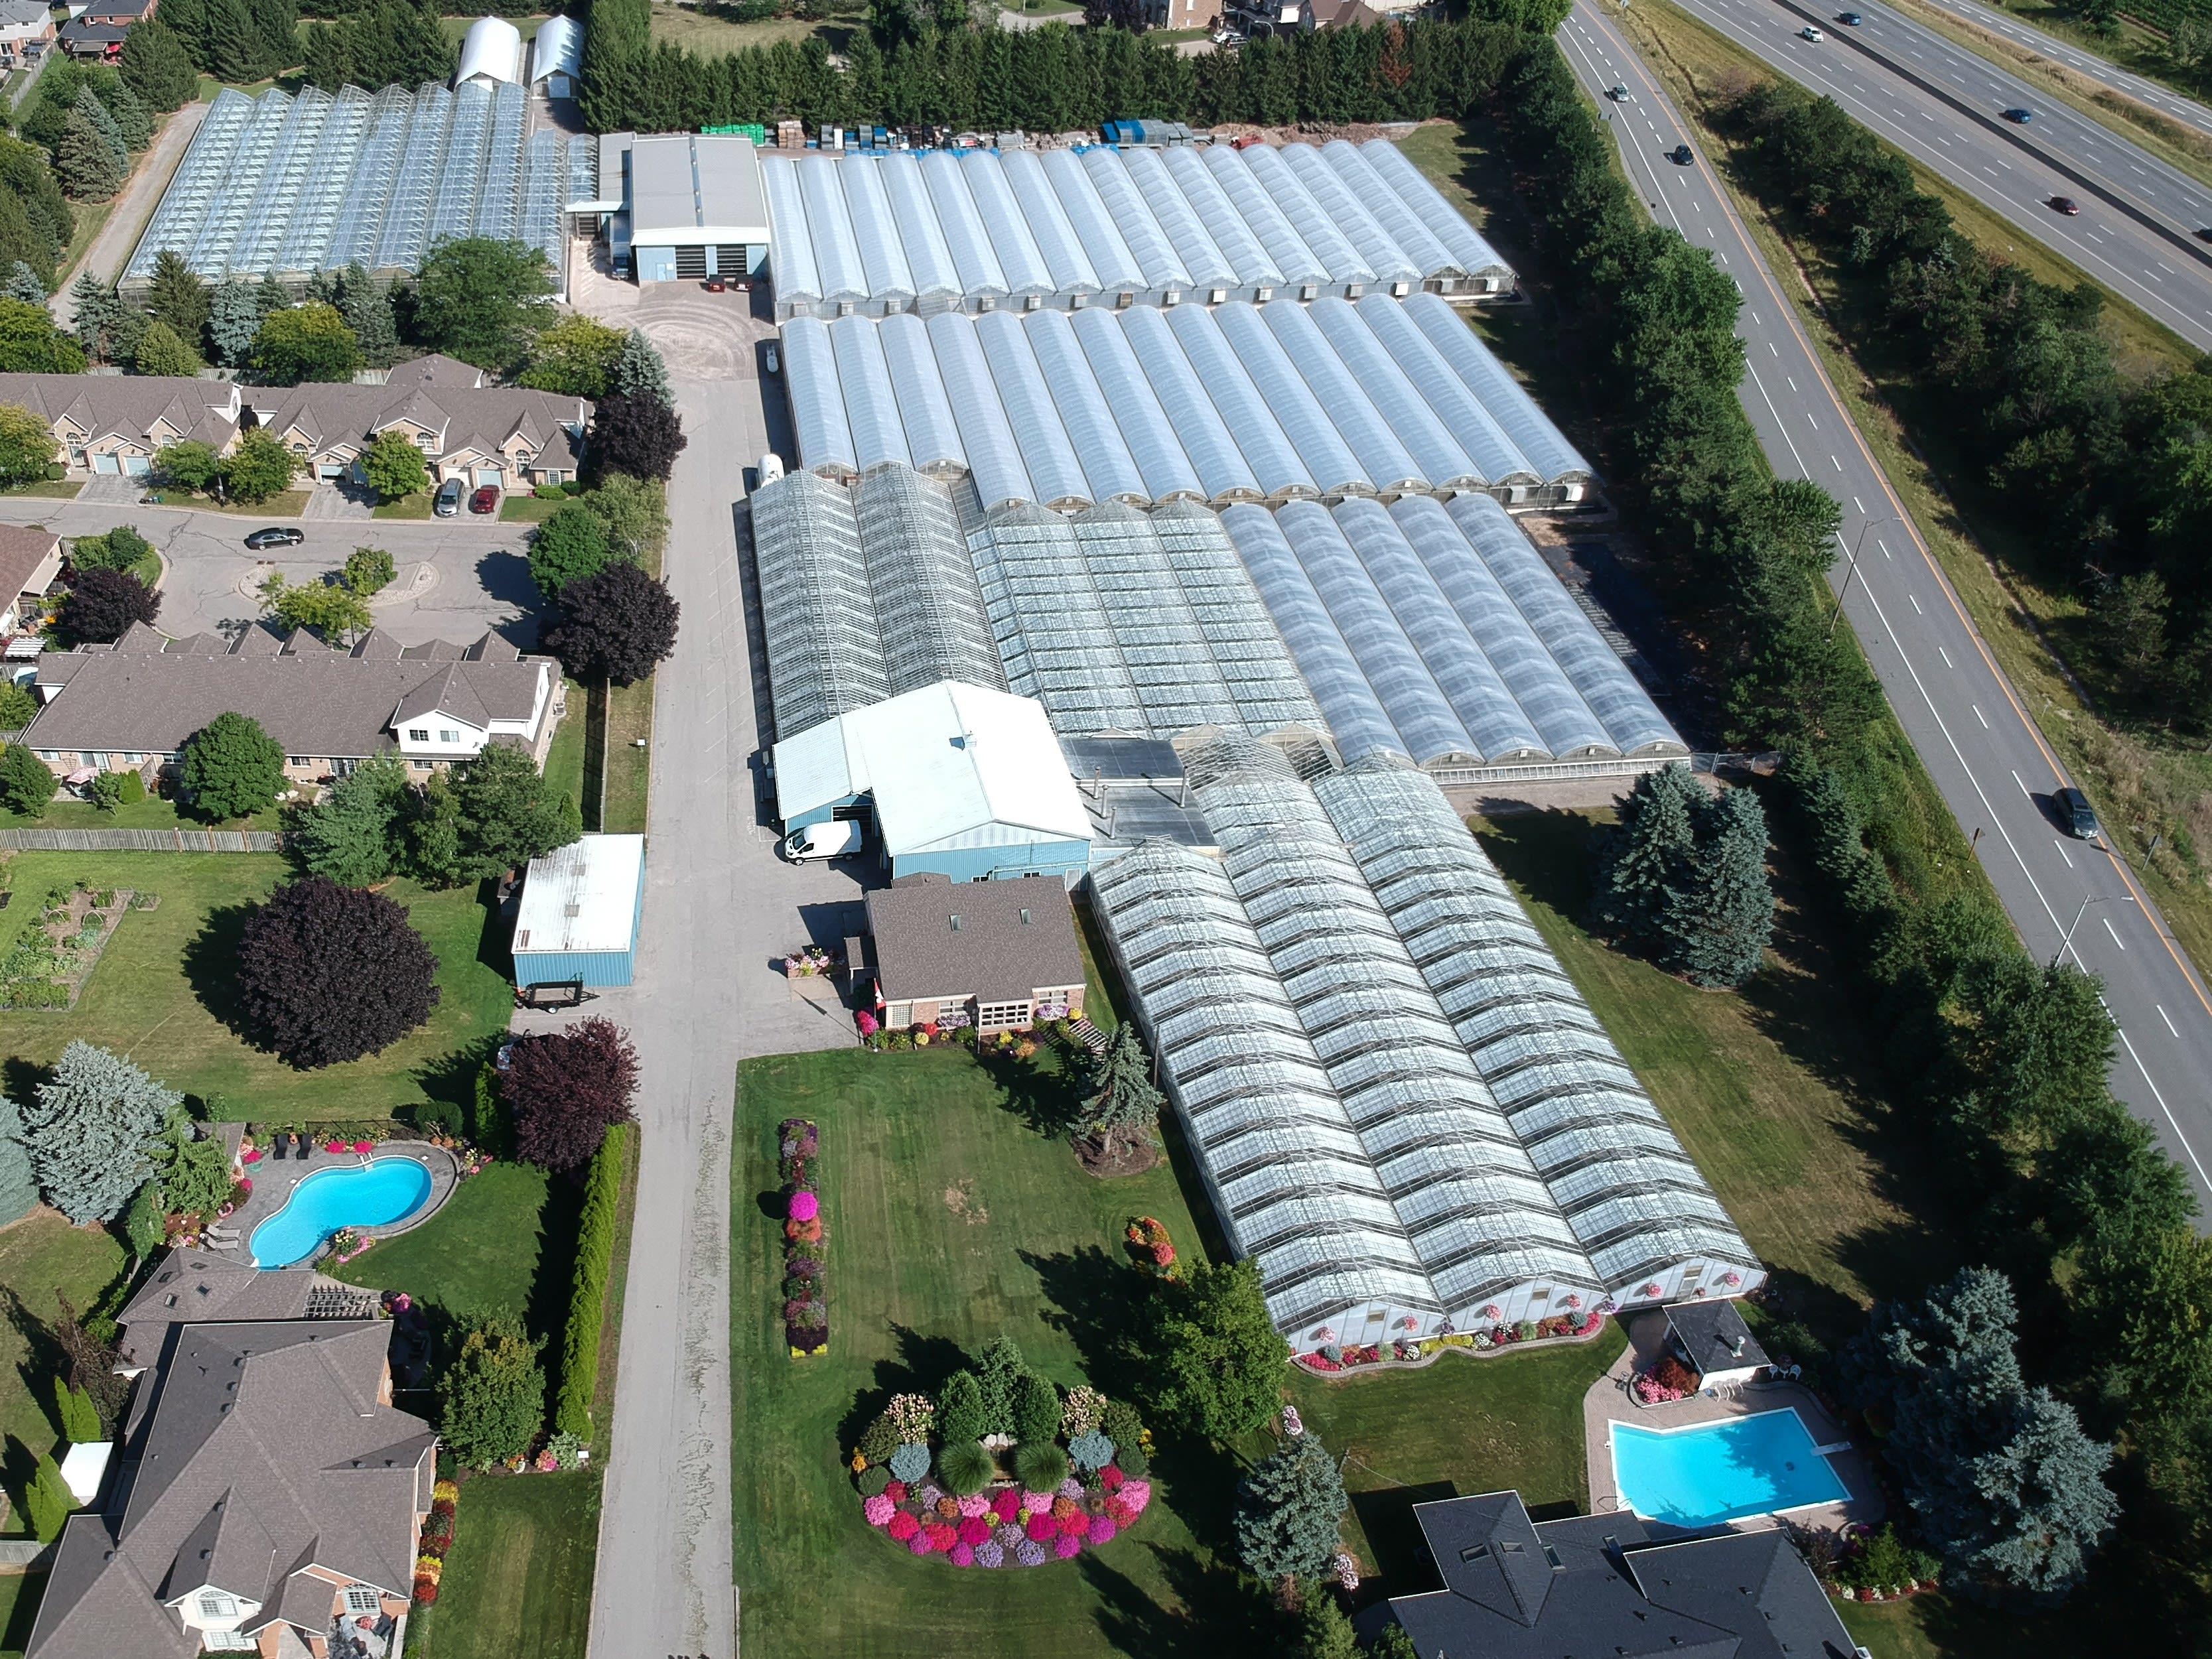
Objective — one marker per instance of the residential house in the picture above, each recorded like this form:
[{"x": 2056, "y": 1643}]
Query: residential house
[
  {"x": 97, "y": 30},
  {"x": 1337, "y": 14},
  {"x": 26, "y": 32},
  {"x": 30, "y": 559},
  {"x": 116, "y": 422},
  {"x": 1001, "y": 954},
  {"x": 204, "y": 1287},
  {"x": 270, "y": 1499},
  {"x": 130, "y": 706},
  {"x": 1182, "y": 14}
]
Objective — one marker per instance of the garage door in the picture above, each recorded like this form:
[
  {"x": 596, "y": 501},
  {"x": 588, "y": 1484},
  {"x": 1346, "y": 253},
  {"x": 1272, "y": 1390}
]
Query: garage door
[
  {"x": 330, "y": 469},
  {"x": 488, "y": 475},
  {"x": 106, "y": 463},
  {"x": 138, "y": 465}
]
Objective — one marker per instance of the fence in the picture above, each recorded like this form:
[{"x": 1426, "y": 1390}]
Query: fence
[{"x": 179, "y": 840}]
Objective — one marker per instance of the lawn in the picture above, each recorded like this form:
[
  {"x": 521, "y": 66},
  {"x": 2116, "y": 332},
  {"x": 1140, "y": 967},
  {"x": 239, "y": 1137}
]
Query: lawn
[
  {"x": 710, "y": 35},
  {"x": 65, "y": 490},
  {"x": 284, "y": 504},
  {"x": 19, "y": 1605},
  {"x": 484, "y": 1250},
  {"x": 40, "y": 1256},
  {"x": 565, "y": 756},
  {"x": 527, "y": 509},
  {"x": 165, "y": 972},
  {"x": 150, "y": 813},
  {"x": 617, "y": 771},
  {"x": 519, "y": 1579},
  {"x": 407, "y": 507}
]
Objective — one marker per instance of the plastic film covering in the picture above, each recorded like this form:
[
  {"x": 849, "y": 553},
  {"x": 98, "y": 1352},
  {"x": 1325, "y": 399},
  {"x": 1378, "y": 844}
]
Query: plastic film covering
[
  {"x": 460, "y": 177},
  {"x": 1356, "y": 416},
  {"x": 239, "y": 194},
  {"x": 273, "y": 202},
  {"x": 818, "y": 401},
  {"x": 1019, "y": 255},
  {"x": 1047, "y": 222},
  {"x": 1274, "y": 460},
  {"x": 1428, "y": 256},
  {"x": 306, "y": 241},
  {"x": 1161, "y": 267},
  {"x": 871, "y": 413},
  {"x": 1312, "y": 221},
  {"x": 545, "y": 180},
  {"x": 1340, "y": 341},
  {"x": 1446, "y": 576},
  {"x": 1330, "y": 463},
  {"x": 1256, "y": 267},
  {"x": 406, "y": 235},
  {"x": 1470, "y": 252},
  {"x": 1478, "y": 695},
  {"x": 1417, "y": 705},
  {"x": 994, "y": 460},
  {"x": 836, "y": 249},
  {"x": 875, "y": 227},
  {"x": 1498, "y": 459},
  {"x": 1160, "y": 457},
  {"x": 1633, "y": 720},
  {"x": 933, "y": 436},
  {"x": 1198, "y": 256},
  {"x": 935, "y": 275},
  {"x": 359, "y": 224},
  {"x": 1635, "y": 1200},
  {"x": 1270, "y": 693},
  {"x": 1113, "y": 261},
  {"x": 1287, "y": 251},
  {"x": 1347, "y": 702},
  {"x": 817, "y": 621},
  {"x": 499, "y": 203},
  {"x": 798, "y": 277},
  {"x": 1053, "y": 632},
  {"x": 1049, "y": 458},
  {"x": 1223, "y": 472},
  {"x": 1493, "y": 385},
  {"x": 1373, "y": 246},
  {"x": 1110, "y": 469},
  {"x": 202, "y": 176},
  {"x": 927, "y": 602},
  {"x": 982, "y": 277}
]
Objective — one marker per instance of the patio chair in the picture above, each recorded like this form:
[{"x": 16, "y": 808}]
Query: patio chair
[{"x": 281, "y": 1146}]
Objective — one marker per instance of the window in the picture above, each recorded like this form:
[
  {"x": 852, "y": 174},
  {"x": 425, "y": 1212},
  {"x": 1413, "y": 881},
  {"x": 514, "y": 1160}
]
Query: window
[
  {"x": 229, "y": 1641},
  {"x": 449, "y": 737},
  {"x": 360, "y": 1598},
  {"x": 217, "y": 1604},
  {"x": 418, "y": 734},
  {"x": 295, "y": 760},
  {"x": 554, "y": 474},
  {"x": 999, "y": 1015},
  {"x": 86, "y": 757},
  {"x": 133, "y": 758},
  {"x": 427, "y": 440},
  {"x": 50, "y": 754}
]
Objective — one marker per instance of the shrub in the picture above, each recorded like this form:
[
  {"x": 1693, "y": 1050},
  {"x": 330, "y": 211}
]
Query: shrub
[
  {"x": 565, "y": 1089},
  {"x": 1080, "y": 1415},
  {"x": 879, "y": 1440},
  {"x": 1036, "y": 1409},
  {"x": 1130, "y": 1459},
  {"x": 1091, "y": 1451},
  {"x": 910, "y": 1462},
  {"x": 1120, "y": 1424},
  {"x": 964, "y": 1468},
  {"x": 873, "y": 1479},
  {"x": 960, "y": 1410},
  {"x": 587, "y": 1292},
  {"x": 328, "y": 974},
  {"x": 1041, "y": 1465}
]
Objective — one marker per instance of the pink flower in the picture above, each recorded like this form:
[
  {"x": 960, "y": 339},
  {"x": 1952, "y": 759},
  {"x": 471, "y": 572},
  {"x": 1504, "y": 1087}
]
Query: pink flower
[
  {"x": 896, "y": 1491},
  {"x": 335, "y": 1146},
  {"x": 1042, "y": 1526},
  {"x": 250, "y": 1155},
  {"x": 962, "y": 1555},
  {"x": 1067, "y": 1548},
  {"x": 805, "y": 1206},
  {"x": 1102, "y": 1529},
  {"x": 246, "y": 1183},
  {"x": 1036, "y": 1502},
  {"x": 879, "y": 1510},
  {"x": 920, "y": 1544},
  {"x": 975, "y": 1529},
  {"x": 364, "y": 1145},
  {"x": 1136, "y": 1494},
  {"x": 1111, "y": 1478},
  {"x": 971, "y": 1507},
  {"x": 1007, "y": 1504},
  {"x": 903, "y": 1526}
]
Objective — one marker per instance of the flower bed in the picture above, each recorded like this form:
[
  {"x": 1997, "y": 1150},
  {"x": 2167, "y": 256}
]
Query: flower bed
[
  {"x": 805, "y": 1288},
  {"x": 51, "y": 961},
  {"x": 1150, "y": 1247},
  {"x": 437, "y": 1540},
  {"x": 1669, "y": 1380},
  {"x": 1330, "y": 1359}
]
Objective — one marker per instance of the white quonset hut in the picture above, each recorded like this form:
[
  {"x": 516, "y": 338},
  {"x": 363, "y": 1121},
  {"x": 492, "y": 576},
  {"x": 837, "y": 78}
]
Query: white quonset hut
[
  {"x": 692, "y": 205},
  {"x": 556, "y": 57},
  {"x": 981, "y": 230},
  {"x": 579, "y": 916},
  {"x": 491, "y": 52}
]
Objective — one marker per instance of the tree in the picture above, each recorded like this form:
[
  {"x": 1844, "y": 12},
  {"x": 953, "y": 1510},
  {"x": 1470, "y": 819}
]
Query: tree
[
  {"x": 26, "y": 783},
  {"x": 306, "y": 342},
  {"x": 1125, "y": 1107},
  {"x": 615, "y": 626},
  {"x": 1219, "y": 1354},
  {"x": 96, "y": 312},
  {"x": 102, "y": 605},
  {"x": 190, "y": 464},
  {"x": 159, "y": 351},
  {"x": 394, "y": 467},
  {"x": 369, "y": 571},
  {"x": 1322, "y": 1631},
  {"x": 194, "y": 1174},
  {"x": 120, "y": 549},
  {"x": 482, "y": 301},
  {"x": 156, "y": 67},
  {"x": 570, "y": 546},
  {"x": 960, "y": 1419},
  {"x": 25, "y": 284},
  {"x": 2036, "y": 1043},
  {"x": 576, "y": 356},
  {"x": 1391, "y": 1642},
  {"x": 347, "y": 834},
  {"x": 29, "y": 342},
  {"x": 491, "y": 1399},
  {"x": 1289, "y": 1508},
  {"x": 145, "y": 1224},
  {"x": 103, "y": 122},
  {"x": 18, "y": 708},
  {"x": 998, "y": 1375},
  {"x": 79, "y": 1418},
  {"x": 131, "y": 118},
  {"x": 91, "y": 1357},
  {"x": 1036, "y": 1410},
  {"x": 1721, "y": 920},
  {"x": 179, "y": 298},
  {"x": 19, "y": 1180},
  {"x": 89, "y": 1131},
  {"x": 1643, "y": 863},
  {"x": 639, "y": 372},
  {"x": 232, "y": 768},
  {"x": 328, "y": 972},
  {"x": 48, "y": 1500},
  {"x": 641, "y": 436},
  {"x": 26, "y": 446},
  {"x": 259, "y": 468},
  {"x": 234, "y": 314},
  {"x": 635, "y": 512},
  {"x": 491, "y": 815},
  {"x": 564, "y": 1090},
  {"x": 367, "y": 309}
]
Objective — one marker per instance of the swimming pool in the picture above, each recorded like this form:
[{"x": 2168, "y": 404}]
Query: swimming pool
[
  {"x": 374, "y": 1194},
  {"x": 1716, "y": 1472}
]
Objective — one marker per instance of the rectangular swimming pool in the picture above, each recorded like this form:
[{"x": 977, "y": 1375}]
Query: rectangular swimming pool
[{"x": 1716, "y": 1472}]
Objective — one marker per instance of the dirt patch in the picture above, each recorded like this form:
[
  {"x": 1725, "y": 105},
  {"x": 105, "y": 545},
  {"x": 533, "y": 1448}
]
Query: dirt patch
[
  {"x": 960, "y": 1199},
  {"x": 1126, "y": 1160}
]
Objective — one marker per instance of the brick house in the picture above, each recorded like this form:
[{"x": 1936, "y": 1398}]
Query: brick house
[
  {"x": 1001, "y": 952},
  {"x": 26, "y": 32},
  {"x": 30, "y": 559}
]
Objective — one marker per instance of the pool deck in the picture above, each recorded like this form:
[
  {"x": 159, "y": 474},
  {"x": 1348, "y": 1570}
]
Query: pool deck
[
  {"x": 1609, "y": 1402},
  {"x": 274, "y": 1180}
]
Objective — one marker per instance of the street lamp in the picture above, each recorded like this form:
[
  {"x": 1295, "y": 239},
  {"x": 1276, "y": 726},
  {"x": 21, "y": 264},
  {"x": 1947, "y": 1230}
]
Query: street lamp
[
  {"x": 1852, "y": 569},
  {"x": 2066, "y": 940}
]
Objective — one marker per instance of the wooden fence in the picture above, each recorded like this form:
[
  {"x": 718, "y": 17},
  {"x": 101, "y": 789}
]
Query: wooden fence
[{"x": 179, "y": 840}]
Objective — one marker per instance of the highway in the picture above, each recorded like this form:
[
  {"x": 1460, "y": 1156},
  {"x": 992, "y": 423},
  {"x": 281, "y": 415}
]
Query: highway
[
  {"x": 2163, "y": 99},
  {"x": 1943, "y": 106},
  {"x": 1984, "y": 753}
]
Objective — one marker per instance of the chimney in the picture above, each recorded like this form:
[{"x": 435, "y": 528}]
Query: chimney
[{"x": 1738, "y": 1349}]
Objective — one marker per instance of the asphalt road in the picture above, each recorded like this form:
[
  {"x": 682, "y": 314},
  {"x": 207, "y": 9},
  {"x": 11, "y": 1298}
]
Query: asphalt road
[
  {"x": 1984, "y": 754},
  {"x": 2161, "y": 98},
  {"x": 1942, "y": 105}
]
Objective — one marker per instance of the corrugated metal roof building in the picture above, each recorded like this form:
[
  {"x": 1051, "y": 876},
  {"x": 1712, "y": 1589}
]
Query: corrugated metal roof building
[{"x": 579, "y": 917}]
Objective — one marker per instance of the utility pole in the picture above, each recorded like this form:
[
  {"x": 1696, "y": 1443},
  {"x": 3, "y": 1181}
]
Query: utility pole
[
  {"x": 2066, "y": 941},
  {"x": 1852, "y": 569}
]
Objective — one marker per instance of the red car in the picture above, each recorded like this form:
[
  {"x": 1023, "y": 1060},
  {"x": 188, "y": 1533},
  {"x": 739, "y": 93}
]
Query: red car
[{"x": 486, "y": 500}]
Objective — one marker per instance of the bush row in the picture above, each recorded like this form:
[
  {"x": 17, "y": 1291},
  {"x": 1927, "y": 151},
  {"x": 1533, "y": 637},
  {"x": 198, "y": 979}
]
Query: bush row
[{"x": 587, "y": 1295}]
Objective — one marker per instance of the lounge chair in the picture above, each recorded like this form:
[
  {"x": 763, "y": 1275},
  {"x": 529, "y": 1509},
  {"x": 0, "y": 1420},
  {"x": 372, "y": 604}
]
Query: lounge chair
[{"x": 281, "y": 1147}]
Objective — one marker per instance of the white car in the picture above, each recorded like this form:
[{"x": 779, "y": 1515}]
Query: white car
[
  {"x": 769, "y": 359},
  {"x": 1809, "y": 32},
  {"x": 833, "y": 840}
]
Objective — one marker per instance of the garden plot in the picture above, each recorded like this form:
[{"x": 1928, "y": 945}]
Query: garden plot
[{"x": 54, "y": 954}]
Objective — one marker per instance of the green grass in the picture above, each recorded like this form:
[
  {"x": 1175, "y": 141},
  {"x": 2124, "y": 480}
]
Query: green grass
[
  {"x": 407, "y": 507},
  {"x": 527, "y": 509},
  {"x": 284, "y": 504},
  {"x": 483, "y": 1249},
  {"x": 65, "y": 490},
  {"x": 151, "y": 813},
  {"x": 518, "y": 1580},
  {"x": 151, "y": 996},
  {"x": 528, "y": 28},
  {"x": 40, "y": 1256},
  {"x": 616, "y": 719},
  {"x": 20, "y": 1594},
  {"x": 710, "y": 35},
  {"x": 564, "y": 755}
]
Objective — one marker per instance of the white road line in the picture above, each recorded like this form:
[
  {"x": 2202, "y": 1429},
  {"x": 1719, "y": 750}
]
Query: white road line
[
  {"x": 1980, "y": 716},
  {"x": 1945, "y": 655},
  {"x": 1883, "y": 545},
  {"x": 1916, "y": 606},
  {"x": 2113, "y": 931},
  {"x": 1859, "y": 504},
  {"x": 2063, "y": 852},
  {"x": 2161, "y": 1014},
  {"x": 2023, "y": 787},
  {"x": 2182, "y": 1139}
]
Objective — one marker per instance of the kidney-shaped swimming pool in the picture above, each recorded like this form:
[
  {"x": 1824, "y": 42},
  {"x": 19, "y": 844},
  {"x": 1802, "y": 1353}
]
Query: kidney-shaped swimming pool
[{"x": 373, "y": 1194}]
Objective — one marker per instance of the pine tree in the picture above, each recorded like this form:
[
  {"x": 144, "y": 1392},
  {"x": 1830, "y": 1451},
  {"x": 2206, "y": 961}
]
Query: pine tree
[
  {"x": 48, "y": 1499},
  {"x": 97, "y": 312},
  {"x": 85, "y": 162},
  {"x": 1720, "y": 920},
  {"x": 368, "y": 312},
  {"x": 79, "y": 1418},
  {"x": 88, "y": 106},
  {"x": 1289, "y": 1510},
  {"x": 19, "y": 1181},
  {"x": 234, "y": 318},
  {"x": 639, "y": 370},
  {"x": 323, "y": 60},
  {"x": 23, "y": 284},
  {"x": 276, "y": 27},
  {"x": 163, "y": 352},
  {"x": 960, "y": 1415},
  {"x": 131, "y": 119},
  {"x": 142, "y": 1223},
  {"x": 1644, "y": 862},
  {"x": 178, "y": 297},
  {"x": 999, "y": 1373},
  {"x": 1125, "y": 1107},
  {"x": 155, "y": 65},
  {"x": 88, "y": 1131}
]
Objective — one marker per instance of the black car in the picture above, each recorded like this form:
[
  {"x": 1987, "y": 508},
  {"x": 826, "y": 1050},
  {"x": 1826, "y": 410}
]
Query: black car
[
  {"x": 2067, "y": 205},
  {"x": 1680, "y": 155},
  {"x": 275, "y": 535},
  {"x": 2019, "y": 117},
  {"x": 2077, "y": 814},
  {"x": 1849, "y": 19}
]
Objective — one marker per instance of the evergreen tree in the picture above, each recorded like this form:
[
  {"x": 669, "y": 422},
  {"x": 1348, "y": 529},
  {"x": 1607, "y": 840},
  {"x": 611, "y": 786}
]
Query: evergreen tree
[
  {"x": 188, "y": 21},
  {"x": 367, "y": 309},
  {"x": 79, "y": 1418},
  {"x": 323, "y": 60},
  {"x": 162, "y": 351},
  {"x": 276, "y": 27},
  {"x": 178, "y": 297},
  {"x": 194, "y": 1174},
  {"x": 19, "y": 1181},
  {"x": 235, "y": 51},
  {"x": 131, "y": 119},
  {"x": 88, "y": 106},
  {"x": 1721, "y": 919},
  {"x": 48, "y": 1500},
  {"x": 96, "y": 311},
  {"x": 1645, "y": 863},
  {"x": 999, "y": 1374},
  {"x": 1124, "y": 1108},
  {"x": 1289, "y": 1510},
  {"x": 155, "y": 65},
  {"x": 1322, "y": 1630},
  {"x": 234, "y": 318},
  {"x": 23, "y": 284},
  {"x": 1036, "y": 1410},
  {"x": 960, "y": 1416},
  {"x": 491, "y": 1398},
  {"x": 85, "y": 163},
  {"x": 89, "y": 1130},
  {"x": 143, "y": 1222},
  {"x": 639, "y": 372}
]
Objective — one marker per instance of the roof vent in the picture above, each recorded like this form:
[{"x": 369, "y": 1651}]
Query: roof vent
[
  {"x": 1025, "y": 918},
  {"x": 956, "y": 921}
]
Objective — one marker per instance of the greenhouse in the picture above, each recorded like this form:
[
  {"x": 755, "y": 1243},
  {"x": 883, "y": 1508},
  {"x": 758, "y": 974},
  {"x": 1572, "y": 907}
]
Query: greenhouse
[
  {"x": 980, "y": 229},
  {"x": 1237, "y": 403},
  {"x": 288, "y": 185}
]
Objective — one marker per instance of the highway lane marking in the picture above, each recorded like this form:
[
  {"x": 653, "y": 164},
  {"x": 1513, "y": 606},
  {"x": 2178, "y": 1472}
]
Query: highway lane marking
[
  {"x": 1917, "y": 610},
  {"x": 1945, "y": 655},
  {"x": 1860, "y": 505},
  {"x": 1809, "y": 421},
  {"x": 2063, "y": 852},
  {"x": 2161, "y": 1014},
  {"x": 2109, "y": 928},
  {"x": 1833, "y": 462},
  {"x": 1980, "y": 716},
  {"x": 2023, "y": 787},
  {"x": 1878, "y": 541}
]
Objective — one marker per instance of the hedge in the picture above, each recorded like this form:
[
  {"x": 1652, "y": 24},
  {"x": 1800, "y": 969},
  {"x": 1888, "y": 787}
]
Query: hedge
[{"x": 587, "y": 1295}]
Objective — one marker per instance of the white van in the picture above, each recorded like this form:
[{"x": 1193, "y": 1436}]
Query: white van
[{"x": 833, "y": 840}]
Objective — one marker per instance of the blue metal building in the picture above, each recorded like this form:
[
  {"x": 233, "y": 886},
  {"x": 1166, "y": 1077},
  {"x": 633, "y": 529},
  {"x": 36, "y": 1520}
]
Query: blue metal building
[{"x": 580, "y": 905}]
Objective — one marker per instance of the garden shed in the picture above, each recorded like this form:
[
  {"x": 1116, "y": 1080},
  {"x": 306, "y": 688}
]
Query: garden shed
[
  {"x": 1713, "y": 1340},
  {"x": 578, "y": 922}
]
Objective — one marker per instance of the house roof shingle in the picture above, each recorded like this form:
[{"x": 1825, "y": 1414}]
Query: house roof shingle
[
  {"x": 1713, "y": 1334},
  {"x": 23, "y": 549},
  {"x": 998, "y": 941}
]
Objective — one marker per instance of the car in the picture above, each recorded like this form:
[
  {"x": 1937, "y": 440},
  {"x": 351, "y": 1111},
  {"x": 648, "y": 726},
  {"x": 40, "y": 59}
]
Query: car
[
  {"x": 2065, "y": 205},
  {"x": 275, "y": 535},
  {"x": 1849, "y": 19},
  {"x": 1680, "y": 156},
  {"x": 2075, "y": 812},
  {"x": 2019, "y": 117},
  {"x": 447, "y": 502},
  {"x": 715, "y": 285},
  {"x": 486, "y": 500},
  {"x": 834, "y": 839},
  {"x": 1809, "y": 32},
  {"x": 770, "y": 361},
  {"x": 1619, "y": 94},
  {"x": 2205, "y": 235}
]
